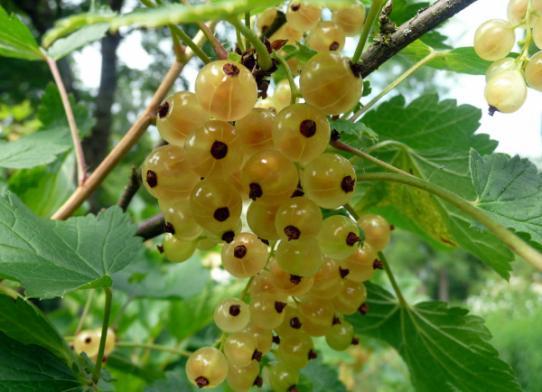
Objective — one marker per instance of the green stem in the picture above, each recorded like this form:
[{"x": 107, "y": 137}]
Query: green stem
[
  {"x": 185, "y": 39},
  {"x": 154, "y": 347},
  {"x": 374, "y": 11},
  {"x": 515, "y": 243},
  {"x": 393, "y": 282},
  {"x": 264, "y": 59},
  {"x": 86, "y": 309},
  {"x": 405, "y": 75},
  {"x": 526, "y": 45},
  {"x": 103, "y": 337},
  {"x": 289, "y": 76}
]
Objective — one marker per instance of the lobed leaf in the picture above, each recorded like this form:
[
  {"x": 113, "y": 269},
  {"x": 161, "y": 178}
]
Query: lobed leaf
[
  {"x": 78, "y": 39},
  {"x": 16, "y": 40}
]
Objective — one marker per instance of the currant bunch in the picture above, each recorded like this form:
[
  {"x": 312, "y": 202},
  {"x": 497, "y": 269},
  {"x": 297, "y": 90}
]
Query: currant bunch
[{"x": 508, "y": 78}]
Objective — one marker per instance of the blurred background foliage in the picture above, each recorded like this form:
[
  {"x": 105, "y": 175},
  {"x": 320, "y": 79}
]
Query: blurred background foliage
[{"x": 155, "y": 303}]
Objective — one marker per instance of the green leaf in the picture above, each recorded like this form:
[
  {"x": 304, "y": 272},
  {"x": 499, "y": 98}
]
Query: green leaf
[
  {"x": 51, "y": 258},
  {"x": 510, "y": 190},
  {"x": 22, "y": 321},
  {"x": 445, "y": 348},
  {"x": 319, "y": 377},
  {"x": 177, "y": 381},
  {"x": 183, "y": 280},
  {"x": 432, "y": 139},
  {"x": 80, "y": 38},
  {"x": 16, "y": 40},
  {"x": 32, "y": 369}
]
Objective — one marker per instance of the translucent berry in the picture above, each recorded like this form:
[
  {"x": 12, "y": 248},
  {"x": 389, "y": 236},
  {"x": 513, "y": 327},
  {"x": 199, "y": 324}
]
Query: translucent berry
[
  {"x": 266, "y": 19},
  {"x": 179, "y": 219},
  {"x": 262, "y": 284},
  {"x": 327, "y": 281},
  {"x": 213, "y": 149},
  {"x": 232, "y": 315},
  {"x": 179, "y": 115},
  {"x": 88, "y": 342},
  {"x": 166, "y": 174},
  {"x": 360, "y": 264},
  {"x": 339, "y": 237},
  {"x": 298, "y": 218},
  {"x": 326, "y": 37},
  {"x": 293, "y": 285},
  {"x": 206, "y": 367},
  {"x": 328, "y": 83},
  {"x": 269, "y": 177},
  {"x": 302, "y": 16},
  {"x": 294, "y": 350},
  {"x": 506, "y": 91},
  {"x": 301, "y": 132},
  {"x": 282, "y": 95},
  {"x": 292, "y": 324},
  {"x": 350, "y": 297},
  {"x": 245, "y": 256},
  {"x": 255, "y": 130},
  {"x": 241, "y": 379},
  {"x": 494, "y": 39},
  {"x": 287, "y": 32},
  {"x": 316, "y": 315},
  {"x": 177, "y": 250},
  {"x": 505, "y": 64},
  {"x": 226, "y": 89},
  {"x": 340, "y": 335},
  {"x": 240, "y": 349},
  {"x": 329, "y": 180},
  {"x": 537, "y": 31},
  {"x": 533, "y": 72},
  {"x": 377, "y": 230},
  {"x": 301, "y": 257},
  {"x": 264, "y": 338},
  {"x": 282, "y": 377},
  {"x": 267, "y": 312},
  {"x": 261, "y": 220},
  {"x": 350, "y": 18}
]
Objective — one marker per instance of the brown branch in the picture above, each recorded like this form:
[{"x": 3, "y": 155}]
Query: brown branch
[
  {"x": 378, "y": 53},
  {"x": 152, "y": 227},
  {"x": 130, "y": 190}
]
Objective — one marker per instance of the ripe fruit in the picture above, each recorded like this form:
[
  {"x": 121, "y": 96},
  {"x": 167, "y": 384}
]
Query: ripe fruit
[
  {"x": 327, "y": 280},
  {"x": 533, "y": 72},
  {"x": 517, "y": 10},
  {"x": 265, "y": 19},
  {"x": 294, "y": 350},
  {"x": 328, "y": 83},
  {"x": 261, "y": 220},
  {"x": 298, "y": 218},
  {"x": 293, "y": 285},
  {"x": 179, "y": 219},
  {"x": 494, "y": 39},
  {"x": 266, "y": 312},
  {"x": 326, "y": 37},
  {"x": 206, "y": 367},
  {"x": 226, "y": 89},
  {"x": 213, "y": 149},
  {"x": 301, "y": 257},
  {"x": 177, "y": 250},
  {"x": 329, "y": 180},
  {"x": 377, "y": 230},
  {"x": 269, "y": 177},
  {"x": 262, "y": 284},
  {"x": 166, "y": 174},
  {"x": 537, "y": 31},
  {"x": 287, "y": 32},
  {"x": 255, "y": 131},
  {"x": 240, "y": 379},
  {"x": 292, "y": 323},
  {"x": 216, "y": 205},
  {"x": 264, "y": 338},
  {"x": 282, "y": 95},
  {"x": 302, "y": 16},
  {"x": 231, "y": 315},
  {"x": 340, "y": 335},
  {"x": 179, "y": 115},
  {"x": 316, "y": 315},
  {"x": 240, "y": 349},
  {"x": 350, "y": 297},
  {"x": 338, "y": 237},
  {"x": 245, "y": 256},
  {"x": 360, "y": 264},
  {"x": 282, "y": 377},
  {"x": 301, "y": 132},
  {"x": 506, "y": 91},
  {"x": 351, "y": 18},
  {"x": 499, "y": 66},
  {"x": 87, "y": 342}
]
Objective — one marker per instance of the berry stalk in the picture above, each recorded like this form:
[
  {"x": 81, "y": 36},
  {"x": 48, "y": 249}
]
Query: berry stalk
[
  {"x": 374, "y": 11},
  {"x": 264, "y": 59},
  {"x": 103, "y": 337}
]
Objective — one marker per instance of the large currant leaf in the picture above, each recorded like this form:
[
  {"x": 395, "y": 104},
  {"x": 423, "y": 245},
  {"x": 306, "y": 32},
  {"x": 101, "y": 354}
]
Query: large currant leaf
[
  {"x": 319, "y": 377},
  {"x": 431, "y": 139},
  {"x": 51, "y": 258},
  {"x": 16, "y": 39},
  {"x": 445, "y": 348},
  {"x": 510, "y": 189}
]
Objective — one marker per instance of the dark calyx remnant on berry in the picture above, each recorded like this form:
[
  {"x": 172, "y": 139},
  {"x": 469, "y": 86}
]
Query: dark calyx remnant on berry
[
  {"x": 363, "y": 309},
  {"x": 307, "y": 128},
  {"x": 201, "y": 382},
  {"x": 355, "y": 341},
  {"x": 219, "y": 149},
  {"x": 151, "y": 178},
  {"x": 240, "y": 251},
  {"x": 492, "y": 110},
  {"x": 378, "y": 264},
  {"x": 295, "y": 7},
  {"x": 258, "y": 382},
  {"x": 336, "y": 320},
  {"x": 228, "y": 236},
  {"x": 234, "y": 310},
  {"x": 88, "y": 340},
  {"x": 276, "y": 339},
  {"x": 160, "y": 248},
  {"x": 351, "y": 239},
  {"x": 334, "y": 46},
  {"x": 347, "y": 184},
  {"x": 168, "y": 228},
  {"x": 257, "y": 355},
  {"x": 313, "y": 354},
  {"x": 295, "y": 323},
  {"x": 163, "y": 110},
  {"x": 298, "y": 191},
  {"x": 335, "y": 135},
  {"x": 255, "y": 191},
  {"x": 292, "y": 232},
  {"x": 230, "y": 69},
  {"x": 296, "y": 279},
  {"x": 343, "y": 272},
  {"x": 279, "y": 306},
  {"x": 221, "y": 214}
]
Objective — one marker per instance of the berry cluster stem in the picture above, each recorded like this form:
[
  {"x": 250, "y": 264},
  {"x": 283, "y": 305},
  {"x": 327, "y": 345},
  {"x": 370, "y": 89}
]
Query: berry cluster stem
[
  {"x": 264, "y": 59},
  {"x": 393, "y": 281},
  {"x": 289, "y": 76},
  {"x": 374, "y": 11},
  {"x": 103, "y": 337}
]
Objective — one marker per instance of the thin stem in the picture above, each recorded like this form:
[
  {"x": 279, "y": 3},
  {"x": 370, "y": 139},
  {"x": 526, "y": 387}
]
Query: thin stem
[
  {"x": 405, "y": 75},
  {"x": 154, "y": 347},
  {"x": 264, "y": 59},
  {"x": 79, "y": 155},
  {"x": 515, "y": 243},
  {"x": 125, "y": 144},
  {"x": 289, "y": 76},
  {"x": 376, "y": 6},
  {"x": 103, "y": 337},
  {"x": 187, "y": 40},
  {"x": 362, "y": 154},
  {"x": 528, "y": 38},
  {"x": 393, "y": 282},
  {"x": 351, "y": 211},
  {"x": 86, "y": 309},
  {"x": 219, "y": 49}
]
